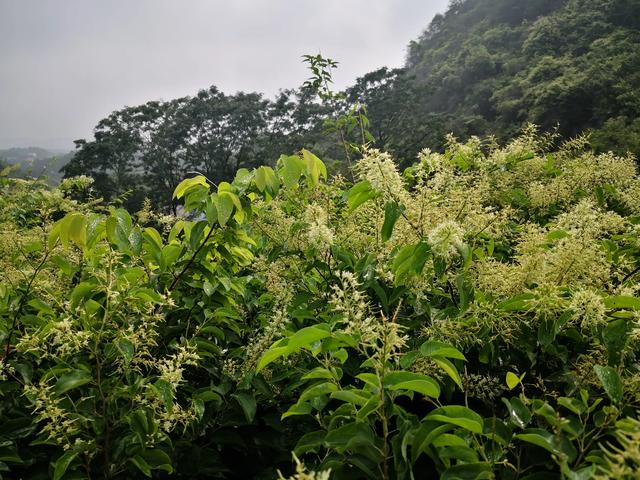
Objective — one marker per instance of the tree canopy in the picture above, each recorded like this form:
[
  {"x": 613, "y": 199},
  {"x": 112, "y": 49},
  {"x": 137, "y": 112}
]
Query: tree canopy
[{"x": 483, "y": 67}]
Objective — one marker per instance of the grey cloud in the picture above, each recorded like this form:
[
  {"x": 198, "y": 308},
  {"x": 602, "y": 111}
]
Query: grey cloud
[{"x": 65, "y": 64}]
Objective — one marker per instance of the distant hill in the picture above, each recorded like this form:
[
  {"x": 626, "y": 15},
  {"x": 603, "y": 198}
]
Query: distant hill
[
  {"x": 489, "y": 66},
  {"x": 36, "y": 162}
]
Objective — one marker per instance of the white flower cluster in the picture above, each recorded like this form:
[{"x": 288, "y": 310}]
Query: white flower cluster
[
  {"x": 319, "y": 233},
  {"x": 351, "y": 303},
  {"x": 446, "y": 238},
  {"x": 59, "y": 426},
  {"x": 381, "y": 172},
  {"x": 382, "y": 335},
  {"x": 172, "y": 368},
  {"x": 587, "y": 220},
  {"x": 434, "y": 162},
  {"x": 261, "y": 342},
  {"x": 59, "y": 339},
  {"x": 303, "y": 474},
  {"x": 588, "y": 309}
]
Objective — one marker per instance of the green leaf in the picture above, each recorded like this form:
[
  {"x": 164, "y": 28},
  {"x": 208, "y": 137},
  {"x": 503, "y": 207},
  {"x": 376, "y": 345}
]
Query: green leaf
[
  {"x": 72, "y": 380},
  {"x": 266, "y": 179},
  {"x": 611, "y": 382},
  {"x": 513, "y": 380},
  {"x": 291, "y": 169},
  {"x": 354, "y": 397},
  {"x": 615, "y": 338},
  {"x": 306, "y": 336},
  {"x": 622, "y": 302},
  {"x": 76, "y": 229},
  {"x": 316, "y": 390},
  {"x": 165, "y": 392},
  {"x": 369, "y": 379},
  {"x": 300, "y": 408},
  {"x": 126, "y": 348},
  {"x": 517, "y": 303},
  {"x": 62, "y": 464},
  {"x": 360, "y": 193},
  {"x": 414, "y": 382},
  {"x": 349, "y": 436},
  {"x": 410, "y": 260},
  {"x": 540, "y": 438},
  {"x": 301, "y": 339},
  {"x": 318, "y": 372},
  {"x": 519, "y": 414},
  {"x": 433, "y": 348},
  {"x": 141, "y": 464},
  {"x": 224, "y": 208},
  {"x": 392, "y": 212},
  {"x": 468, "y": 471},
  {"x": 187, "y": 183},
  {"x": 270, "y": 356},
  {"x": 450, "y": 369},
  {"x": 248, "y": 404},
  {"x": 158, "y": 460},
  {"x": 310, "y": 442},
  {"x": 458, "y": 415},
  {"x": 315, "y": 167}
]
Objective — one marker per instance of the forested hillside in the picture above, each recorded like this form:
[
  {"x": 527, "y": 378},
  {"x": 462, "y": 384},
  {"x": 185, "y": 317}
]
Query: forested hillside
[
  {"x": 484, "y": 67},
  {"x": 492, "y": 65}
]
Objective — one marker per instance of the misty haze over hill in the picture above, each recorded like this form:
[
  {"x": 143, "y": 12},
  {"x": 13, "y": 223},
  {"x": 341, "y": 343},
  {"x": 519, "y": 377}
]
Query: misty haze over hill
[{"x": 67, "y": 64}]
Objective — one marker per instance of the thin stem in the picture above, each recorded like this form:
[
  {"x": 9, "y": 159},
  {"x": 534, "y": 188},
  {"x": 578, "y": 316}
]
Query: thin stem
[
  {"x": 190, "y": 262},
  {"x": 23, "y": 301}
]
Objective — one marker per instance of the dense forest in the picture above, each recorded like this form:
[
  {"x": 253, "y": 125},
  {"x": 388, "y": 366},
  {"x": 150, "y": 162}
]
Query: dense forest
[
  {"x": 485, "y": 67},
  {"x": 432, "y": 274}
]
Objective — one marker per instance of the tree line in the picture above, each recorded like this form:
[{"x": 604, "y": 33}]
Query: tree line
[{"x": 483, "y": 67}]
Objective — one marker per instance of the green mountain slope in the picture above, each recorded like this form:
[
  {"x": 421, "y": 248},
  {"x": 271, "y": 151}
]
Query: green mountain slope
[{"x": 494, "y": 65}]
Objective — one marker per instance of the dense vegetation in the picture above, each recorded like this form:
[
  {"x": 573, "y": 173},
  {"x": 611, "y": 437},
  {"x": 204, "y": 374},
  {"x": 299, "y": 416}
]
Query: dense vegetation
[
  {"x": 485, "y": 67},
  {"x": 493, "y": 65},
  {"x": 474, "y": 317}
]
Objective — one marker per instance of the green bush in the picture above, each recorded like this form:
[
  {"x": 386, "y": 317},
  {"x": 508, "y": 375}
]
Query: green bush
[{"x": 473, "y": 317}]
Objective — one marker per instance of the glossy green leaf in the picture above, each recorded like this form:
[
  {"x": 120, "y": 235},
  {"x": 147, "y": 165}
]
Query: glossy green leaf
[
  {"x": 513, "y": 380},
  {"x": 62, "y": 464},
  {"x": 392, "y": 212},
  {"x": 433, "y": 348},
  {"x": 622, "y": 302},
  {"x": 187, "y": 183},
  {"x": 611, "y": 382},
  {"x": 360, "y": 193},
  {"x": 450, "y": 369},
  {"x": 71, "y": 380},
  {"x": 458, "y": 415},
  {"x": 414, "y": 382},
  {"x": 410, "y": 260},
  {"x": 248, "y": 404},
  {"x": 292, "y": 168},
  {"x": 224, "y": 208},
  {"x": 300, "y": 408}
]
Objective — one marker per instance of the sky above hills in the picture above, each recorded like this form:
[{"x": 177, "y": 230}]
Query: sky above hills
[{"x": 64, "y": 65}]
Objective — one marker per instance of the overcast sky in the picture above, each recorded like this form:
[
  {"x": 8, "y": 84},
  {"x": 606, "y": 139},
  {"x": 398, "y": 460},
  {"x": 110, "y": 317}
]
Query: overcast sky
[{"x": 65, "y": 64}]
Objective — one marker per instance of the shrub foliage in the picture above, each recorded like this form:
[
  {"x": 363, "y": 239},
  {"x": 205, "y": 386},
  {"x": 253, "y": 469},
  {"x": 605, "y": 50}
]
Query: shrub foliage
[{"x": 476, "y": 316}]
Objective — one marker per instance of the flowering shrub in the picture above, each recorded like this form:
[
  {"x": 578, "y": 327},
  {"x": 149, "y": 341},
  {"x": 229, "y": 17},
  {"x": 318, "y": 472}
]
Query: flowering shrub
[{"x": 475, "y": 316}]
